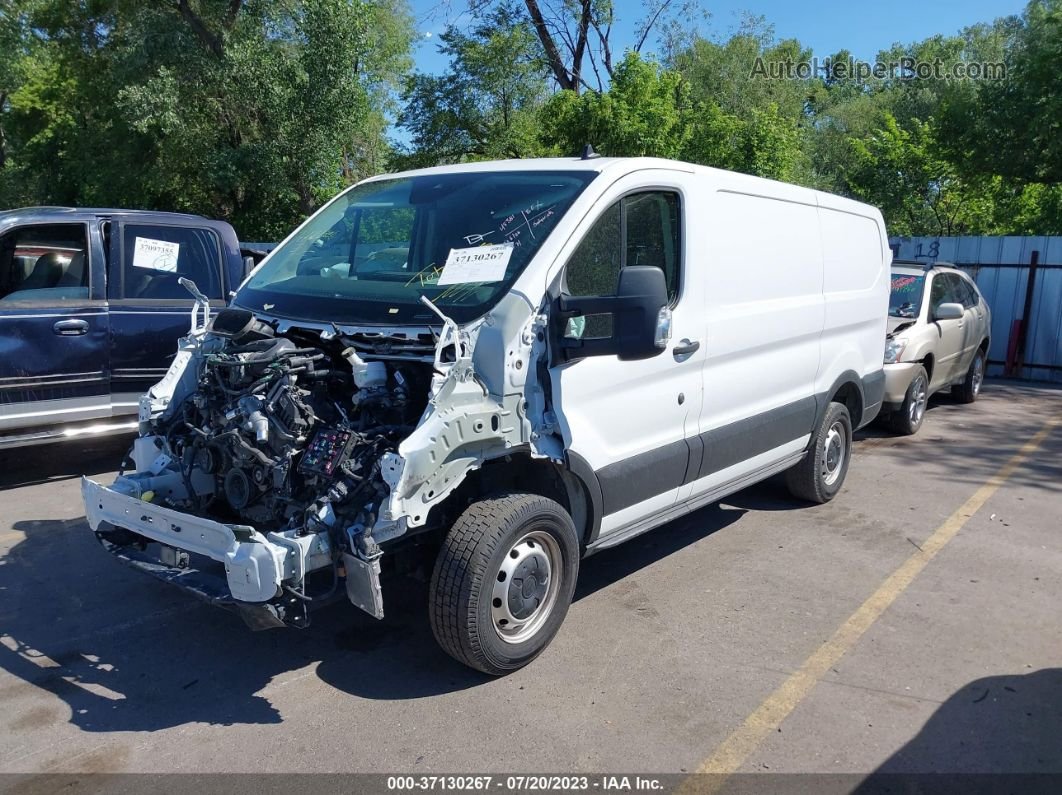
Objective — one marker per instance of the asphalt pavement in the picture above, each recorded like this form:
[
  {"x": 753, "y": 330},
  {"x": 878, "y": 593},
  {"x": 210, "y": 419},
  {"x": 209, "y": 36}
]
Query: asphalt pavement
[{"x": 911, "y": 625}]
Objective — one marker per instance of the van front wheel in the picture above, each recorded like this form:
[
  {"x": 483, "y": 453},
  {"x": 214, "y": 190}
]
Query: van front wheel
[
  {"x": 821, "y": 472},
  {"x": 503, "y": 581}
]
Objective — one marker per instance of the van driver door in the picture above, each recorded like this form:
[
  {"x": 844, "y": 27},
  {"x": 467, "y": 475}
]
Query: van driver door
[{"x": 627, "y": 421}]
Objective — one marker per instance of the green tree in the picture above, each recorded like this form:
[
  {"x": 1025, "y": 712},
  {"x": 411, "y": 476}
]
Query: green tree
[
  {"x": 746, "y": 120},
  {"x": 487, "y": 104},
  {"x": 771, "y": 144},
  {"x": 644, "y": 112},
  {"x": 901, "y": 171},
  {"x": 1013, "y": 126},
  {"x": 253, "y": 112},
  {"x": 725, "y": 73}
]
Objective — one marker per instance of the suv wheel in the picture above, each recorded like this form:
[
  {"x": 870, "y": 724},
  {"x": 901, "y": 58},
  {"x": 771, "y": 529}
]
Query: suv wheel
[
  {"x": 970, "y": 388},
  {"x": 820, "y": 474},
  {"x": 908, "y": 418},
  {"x": 503, "y": 581}
]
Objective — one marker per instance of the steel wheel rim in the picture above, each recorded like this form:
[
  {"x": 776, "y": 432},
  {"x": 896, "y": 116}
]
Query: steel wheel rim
[
  {"x": 526, "y": 586},
  {"x": 834, "y": 450},
  {"x": 978, "y": 374},
  {"x": 918, "y": 405}
]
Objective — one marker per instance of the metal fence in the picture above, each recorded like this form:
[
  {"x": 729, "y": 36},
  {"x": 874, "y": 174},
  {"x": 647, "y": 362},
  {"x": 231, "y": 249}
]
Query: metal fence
[{"x": 1026, "y": 314}]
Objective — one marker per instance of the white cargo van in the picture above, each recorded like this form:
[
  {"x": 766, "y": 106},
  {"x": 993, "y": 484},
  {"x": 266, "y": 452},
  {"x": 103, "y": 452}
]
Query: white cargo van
[{"x": 502, "y": 367}]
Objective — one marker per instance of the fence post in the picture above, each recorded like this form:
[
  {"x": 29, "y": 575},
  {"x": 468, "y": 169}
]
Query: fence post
[{"x": 1026, "y": 315}]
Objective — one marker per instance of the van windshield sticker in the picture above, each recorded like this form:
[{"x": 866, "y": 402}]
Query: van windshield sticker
[
  {"x": 156, "y": 255},
  {"x": 476, "y": 264}
]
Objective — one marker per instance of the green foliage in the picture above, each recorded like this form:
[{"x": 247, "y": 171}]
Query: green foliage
[
  {"x": 721, "y": 73},
  {"x": 257, "y": 111},
  {"x": 646, "y": 112},
  {"x": 487, "y": 105},
  {"x": 1013, "y": 127},
  {"x": 252, "y": 112},
  {"x": 898, "y": 170}
]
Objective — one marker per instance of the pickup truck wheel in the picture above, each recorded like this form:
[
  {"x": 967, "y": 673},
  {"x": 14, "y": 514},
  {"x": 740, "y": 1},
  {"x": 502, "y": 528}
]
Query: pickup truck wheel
[
  {"x": 908, "y": 418},
  {"x": 970, "y": 388},
  {"x": 821, "y": 472},
  {"x": 503, "y": 581}
]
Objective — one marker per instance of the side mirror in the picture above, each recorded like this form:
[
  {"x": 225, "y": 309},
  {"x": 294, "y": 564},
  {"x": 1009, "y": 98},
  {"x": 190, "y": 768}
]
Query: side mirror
[
  {"x": 248, "y": 266},
  {"x": 948, "y": 311},
  {"x": 641, "y": 319}
]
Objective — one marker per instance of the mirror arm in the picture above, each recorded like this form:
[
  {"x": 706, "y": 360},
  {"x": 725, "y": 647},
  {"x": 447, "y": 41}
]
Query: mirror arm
[
  {"x": 574, "y": 305},
  {"x": 575, "y": 349}
]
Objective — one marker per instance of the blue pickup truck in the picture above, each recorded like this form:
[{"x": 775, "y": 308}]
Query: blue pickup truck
[{"x": 91, "y": 309}]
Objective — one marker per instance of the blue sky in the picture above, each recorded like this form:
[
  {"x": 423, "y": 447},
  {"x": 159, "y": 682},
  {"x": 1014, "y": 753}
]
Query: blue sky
[{"x": 862, "y": 27}]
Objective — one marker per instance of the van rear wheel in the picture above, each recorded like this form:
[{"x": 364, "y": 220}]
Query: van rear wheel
[
  {"x": 503, "y": 581},
  {"x": 821, "y": 472}
]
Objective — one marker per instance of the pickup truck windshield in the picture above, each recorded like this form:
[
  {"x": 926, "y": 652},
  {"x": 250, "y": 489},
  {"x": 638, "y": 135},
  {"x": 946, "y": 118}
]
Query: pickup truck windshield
[
  {"x": 905, "y": 298},
  {"x": 459, "y": 239}
]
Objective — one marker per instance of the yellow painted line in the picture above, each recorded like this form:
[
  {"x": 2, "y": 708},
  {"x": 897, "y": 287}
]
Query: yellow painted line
[{"x": 732, "y": 753}]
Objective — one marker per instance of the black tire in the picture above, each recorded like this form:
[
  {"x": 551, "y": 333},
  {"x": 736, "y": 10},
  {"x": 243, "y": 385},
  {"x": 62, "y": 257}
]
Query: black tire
[
  {"x": 970, "y": 388},
  {"x": 464, "y": 605},
  {"x": 907, "y": 419},
  {"x": 809, "y": 479}
]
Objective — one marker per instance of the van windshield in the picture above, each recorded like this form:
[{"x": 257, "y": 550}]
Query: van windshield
[
  {"x": 459, "y": 239},
  {"x": 905, "y": 297}
]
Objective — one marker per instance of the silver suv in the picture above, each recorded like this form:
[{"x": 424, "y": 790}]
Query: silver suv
[{"x": 937, "y": 336}]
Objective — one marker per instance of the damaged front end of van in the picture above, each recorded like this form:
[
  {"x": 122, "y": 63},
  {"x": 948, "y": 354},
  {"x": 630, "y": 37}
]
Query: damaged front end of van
[
  {"x": 323, "y": 424},
  {"x": 277, "y": 462}
]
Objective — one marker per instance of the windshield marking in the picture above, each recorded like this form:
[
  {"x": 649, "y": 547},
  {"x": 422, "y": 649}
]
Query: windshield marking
[{"x": 426, "y": 277}]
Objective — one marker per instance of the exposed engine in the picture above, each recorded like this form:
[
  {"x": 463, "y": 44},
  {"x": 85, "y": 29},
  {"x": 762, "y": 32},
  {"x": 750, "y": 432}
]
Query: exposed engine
[
  {"x": 277, "y": 462},
  {"x": 288, "y": 437}
]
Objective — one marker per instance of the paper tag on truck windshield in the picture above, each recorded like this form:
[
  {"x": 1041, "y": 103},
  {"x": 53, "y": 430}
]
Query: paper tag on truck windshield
[
  {"x": 156, "y": 255},
  {"x": 476, "y": 264}
]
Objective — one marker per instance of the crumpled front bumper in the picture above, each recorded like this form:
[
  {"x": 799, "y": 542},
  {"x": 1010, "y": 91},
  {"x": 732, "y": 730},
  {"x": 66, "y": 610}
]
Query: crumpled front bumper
[
  {"x": 898, "y": 377},
  {"x": 254, "y": 566}
]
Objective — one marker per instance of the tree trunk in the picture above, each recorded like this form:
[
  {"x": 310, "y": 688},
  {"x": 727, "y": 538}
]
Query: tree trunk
[
  {"x": 553, "y": 56},
  {"x": 3, "y": 138}
]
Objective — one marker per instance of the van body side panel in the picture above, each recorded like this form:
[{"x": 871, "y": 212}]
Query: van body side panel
[
  {"x": 762, "y": 261},
  {"x": 755, "y": 294},
  {"x": 856, "y": 292}
]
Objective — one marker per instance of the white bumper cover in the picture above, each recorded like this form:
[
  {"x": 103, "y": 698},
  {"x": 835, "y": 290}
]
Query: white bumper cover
[{"x": 254, "y": 566}]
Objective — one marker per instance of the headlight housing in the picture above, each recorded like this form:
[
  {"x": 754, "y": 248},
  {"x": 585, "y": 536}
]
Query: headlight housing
[{"x": 894, "y": 350}]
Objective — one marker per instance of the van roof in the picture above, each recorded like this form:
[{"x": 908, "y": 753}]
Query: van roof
[
  {"x": 597, "y": 163},
  {"x": 907, "y": 266},
  {"x": 620, "y": 166}
]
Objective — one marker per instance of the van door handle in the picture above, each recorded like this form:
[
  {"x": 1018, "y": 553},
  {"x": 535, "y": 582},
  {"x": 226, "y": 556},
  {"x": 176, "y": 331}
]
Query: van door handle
[
  {"x": 685, "y": 348},
  {"x": 70, "y": 328}
]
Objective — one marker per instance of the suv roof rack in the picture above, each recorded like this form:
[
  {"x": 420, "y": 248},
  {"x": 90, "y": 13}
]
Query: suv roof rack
[{"x": 926, "y": 266}]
